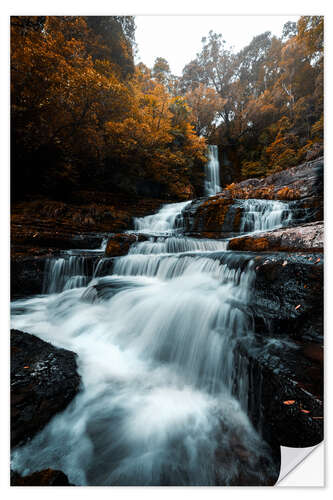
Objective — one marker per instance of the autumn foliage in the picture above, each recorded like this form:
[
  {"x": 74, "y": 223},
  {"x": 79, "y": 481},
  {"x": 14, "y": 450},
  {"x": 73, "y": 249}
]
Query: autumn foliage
[
  {"x": 269, "y": 115},
  {"x": 83, "y": 115}
]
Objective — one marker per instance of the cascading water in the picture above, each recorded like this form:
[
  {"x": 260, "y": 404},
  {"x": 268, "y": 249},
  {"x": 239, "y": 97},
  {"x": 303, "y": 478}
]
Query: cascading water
[
  {"x": 263, "y": 215},
  {"x": 164, "y": 221},
  {"x": 212, "y": 172},
  {"x": 156, "y": 351}
]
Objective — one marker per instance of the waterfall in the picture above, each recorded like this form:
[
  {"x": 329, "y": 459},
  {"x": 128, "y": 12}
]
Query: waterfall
[
  {"x": 156, "y": 343},
  {"x": 212, "y": 172},
  {"x": 263, "y": 215},
  {"x": 176, "y": 244},
  {"x": 164, "y": 221},
  {"x": 64, "y": 273}
]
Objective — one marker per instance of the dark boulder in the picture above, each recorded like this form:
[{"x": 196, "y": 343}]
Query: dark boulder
[
  {"x": 287, "y": 296},
  {"x": 285, "y": 393},
  {"x": 47, "y": 477},
  {"x": 43, "y": 381},
  {"x": 119, "y": 244},
  {"x": 27, "y": 275}
]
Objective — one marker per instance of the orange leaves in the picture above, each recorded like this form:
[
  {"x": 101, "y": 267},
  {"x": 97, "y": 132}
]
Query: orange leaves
[
  {"x": 204, "y": 103},
  {"x": 287, "y": 193},
  {"x": 158, "y": 133},
  {"x": 70, "y": 96},
  {"x": 292, "y": 402},
  {"x": 65, "y": 97}
]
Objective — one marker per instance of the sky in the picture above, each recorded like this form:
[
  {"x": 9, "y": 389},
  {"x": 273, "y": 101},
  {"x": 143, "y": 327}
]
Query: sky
[{"x": 178, "y": 38}]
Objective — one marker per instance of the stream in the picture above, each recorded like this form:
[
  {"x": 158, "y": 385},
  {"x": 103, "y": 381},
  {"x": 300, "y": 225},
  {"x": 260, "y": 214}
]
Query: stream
[{"x": 155, "y": 332}]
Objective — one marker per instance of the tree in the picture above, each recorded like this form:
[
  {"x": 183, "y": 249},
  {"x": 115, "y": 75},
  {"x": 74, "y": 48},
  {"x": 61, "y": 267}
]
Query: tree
[
  {"x": 192, "y": 75},
  {"x": 289, "y": 30},
  {"x": 114, "y": 41},
  {"x": 61, "y": 99},
  {"x": 157, "y": 138},
  {"x": 204, "y": 103},
  {"x": 161, "y": 70}
]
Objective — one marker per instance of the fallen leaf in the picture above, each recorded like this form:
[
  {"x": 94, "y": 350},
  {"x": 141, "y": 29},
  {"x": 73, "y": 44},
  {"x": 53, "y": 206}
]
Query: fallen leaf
[
  {"x": 285, "y": 263},
  {"x": 305, "y": 411},
  {"x": 289, "y": 402},
  {"x": 297, "y": 307},
  {"x": 25, "y": 367},
  {"x": 318, "y": 260}
]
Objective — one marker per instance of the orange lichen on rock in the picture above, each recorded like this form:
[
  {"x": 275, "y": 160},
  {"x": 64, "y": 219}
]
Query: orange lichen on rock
[
  {"x": 287, "y": 193},
  {"x": 212, "y": 213},
  {"x": 249, "y": 244}
]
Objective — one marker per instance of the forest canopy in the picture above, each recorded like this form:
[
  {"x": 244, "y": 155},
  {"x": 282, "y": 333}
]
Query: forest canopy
[
  {"x": 84, "y": 115},
  {"x": 264, "y": 105}
]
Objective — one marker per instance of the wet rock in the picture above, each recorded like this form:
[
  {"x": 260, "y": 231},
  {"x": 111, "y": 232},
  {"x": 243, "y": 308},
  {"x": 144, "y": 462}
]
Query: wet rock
[
  {"x": 51, "y": 240},
  {"x": 45, "y": 223},
  {"x": 283, "y": 363},
  {"x": 211, "y": 215},
  {"x": 47, "y": 477},
  {"x": 119, "y": 244},
  {"x": 307, "y": 238},
  {"x": 287, "y": 295},
  {"x": 27, "y": 275},
  {"x": 296, "y": 183},
  {"x": 44, "y": 380},
  {"x": 285, "y": 396}
]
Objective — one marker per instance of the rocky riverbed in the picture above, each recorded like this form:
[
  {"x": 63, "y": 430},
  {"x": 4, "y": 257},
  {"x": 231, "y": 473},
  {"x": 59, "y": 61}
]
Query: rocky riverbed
[{"x": 276, "y": 296}]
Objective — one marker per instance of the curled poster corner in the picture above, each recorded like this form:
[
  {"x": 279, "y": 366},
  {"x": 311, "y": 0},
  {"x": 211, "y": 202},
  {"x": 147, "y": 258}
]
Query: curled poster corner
[{"x": 298, "y": 468}]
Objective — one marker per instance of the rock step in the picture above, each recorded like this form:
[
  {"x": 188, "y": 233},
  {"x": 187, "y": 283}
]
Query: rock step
[
  {"x": 43, "y": 381},
  {"x": 304, "y": 238},
  {"x": 46, "y": 477}
]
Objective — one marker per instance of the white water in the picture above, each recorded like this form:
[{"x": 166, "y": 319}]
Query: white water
[
  {"x": 212, "y": 172},
  {"x": 164, "y": 221},
  {"x": 155, "y": 343},
  {"x": 264, "y": 215}
]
